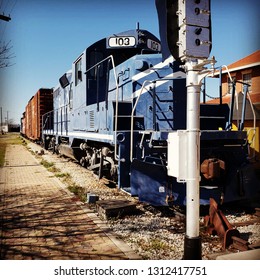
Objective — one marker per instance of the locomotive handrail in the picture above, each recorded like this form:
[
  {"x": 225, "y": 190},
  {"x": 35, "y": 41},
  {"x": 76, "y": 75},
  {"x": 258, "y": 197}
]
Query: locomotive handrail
[
  {"x": 101, "y": 61},
  {"x": 51, "y": 115},
  {"x": 132, "y": 117},
  {"x": 254, "y": 126},
  {"x": 46, "y": 119},
  {"x": 246, "y": 95}
]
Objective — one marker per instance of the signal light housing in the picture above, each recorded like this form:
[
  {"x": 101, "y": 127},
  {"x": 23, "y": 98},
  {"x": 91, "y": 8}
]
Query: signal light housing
[{"x": 185, "y": 26}]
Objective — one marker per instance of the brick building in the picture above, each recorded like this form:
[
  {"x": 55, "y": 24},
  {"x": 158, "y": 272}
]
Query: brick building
[{"x": 245, "y": 70}]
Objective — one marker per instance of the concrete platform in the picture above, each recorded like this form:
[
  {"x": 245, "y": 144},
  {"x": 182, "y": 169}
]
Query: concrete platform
[{"x": 40, "y": 220}]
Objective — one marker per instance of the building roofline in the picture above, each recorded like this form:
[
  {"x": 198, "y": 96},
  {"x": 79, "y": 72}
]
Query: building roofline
[
  {"x": 243, "y": 67},
  {"x": 252, "y": 60}
]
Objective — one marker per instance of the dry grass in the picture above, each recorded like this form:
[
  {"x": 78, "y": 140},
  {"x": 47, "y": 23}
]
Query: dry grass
[{"x": 9, "y": 139}]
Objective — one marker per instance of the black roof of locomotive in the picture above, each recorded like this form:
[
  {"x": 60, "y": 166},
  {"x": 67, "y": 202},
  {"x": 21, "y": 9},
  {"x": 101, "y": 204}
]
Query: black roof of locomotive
[{"x": 141, "y": 36}]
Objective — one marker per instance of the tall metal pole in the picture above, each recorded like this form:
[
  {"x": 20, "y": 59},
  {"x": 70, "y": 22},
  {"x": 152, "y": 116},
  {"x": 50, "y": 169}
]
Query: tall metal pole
[
  {"x": 192, "y": 243},
  {"x": 204, "y": 91}
]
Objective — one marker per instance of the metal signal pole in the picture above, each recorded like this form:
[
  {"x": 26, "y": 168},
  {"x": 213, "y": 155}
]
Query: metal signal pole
[
  {"x": 195, "y": 74},
  {"x": 192, "y": 245},
  {"x": 186, "y": 25}
]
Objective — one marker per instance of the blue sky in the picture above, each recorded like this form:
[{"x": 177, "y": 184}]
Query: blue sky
[{"x": 47, "y": 35}]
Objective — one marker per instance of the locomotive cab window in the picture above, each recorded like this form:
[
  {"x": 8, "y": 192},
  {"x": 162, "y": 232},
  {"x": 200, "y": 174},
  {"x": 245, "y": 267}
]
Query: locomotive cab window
[{"x": 78, "y": 72}]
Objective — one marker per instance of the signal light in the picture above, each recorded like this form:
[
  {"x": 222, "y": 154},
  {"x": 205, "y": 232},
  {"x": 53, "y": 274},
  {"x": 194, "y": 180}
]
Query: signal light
[{"x": 185, "y": 26}]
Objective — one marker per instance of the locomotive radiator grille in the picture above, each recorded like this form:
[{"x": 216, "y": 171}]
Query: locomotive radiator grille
[{"x": 92, "y": 119}]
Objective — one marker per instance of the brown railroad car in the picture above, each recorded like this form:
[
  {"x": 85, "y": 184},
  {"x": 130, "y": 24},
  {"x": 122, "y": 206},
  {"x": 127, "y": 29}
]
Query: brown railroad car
[{"x": 39, "y": 104}]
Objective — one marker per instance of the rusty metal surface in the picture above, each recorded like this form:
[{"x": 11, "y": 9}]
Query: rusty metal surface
[
  {"x": 39, "y": 104},
  {"x": 239, "y": 243},
  {"x": 218, "y": 224},
  {"x": 212, "y": 168}
]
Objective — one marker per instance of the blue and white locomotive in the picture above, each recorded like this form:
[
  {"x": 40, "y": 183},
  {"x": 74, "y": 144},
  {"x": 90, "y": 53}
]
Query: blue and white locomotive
[{"x": 114, "y": 110}]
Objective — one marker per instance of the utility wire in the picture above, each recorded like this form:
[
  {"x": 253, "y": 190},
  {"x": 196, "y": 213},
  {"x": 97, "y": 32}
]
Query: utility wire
[
  {"x": 2, "y": 32},
  {"x": 14, "y": 4},
  {"x": 5, "y": 6}
]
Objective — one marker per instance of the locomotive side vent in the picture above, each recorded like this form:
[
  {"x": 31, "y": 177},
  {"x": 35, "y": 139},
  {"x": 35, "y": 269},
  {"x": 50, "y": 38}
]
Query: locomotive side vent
[{"x": 92, "y": 119}]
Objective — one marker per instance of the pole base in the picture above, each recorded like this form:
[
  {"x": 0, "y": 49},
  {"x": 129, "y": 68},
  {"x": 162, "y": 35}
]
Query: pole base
[{"x": 192, "y": 248}]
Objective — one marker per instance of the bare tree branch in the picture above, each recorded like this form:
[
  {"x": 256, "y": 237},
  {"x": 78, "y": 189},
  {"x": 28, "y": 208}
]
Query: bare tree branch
[{"x": 6, "y": 55}]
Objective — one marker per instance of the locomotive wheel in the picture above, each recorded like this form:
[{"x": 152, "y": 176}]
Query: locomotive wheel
[
  {"x": 49, "y": 144},
  {"x": 57, "y": 150},
  {"x": 53, "y": 145},
  {"x": 113, "y": 173},
  {"x": 83, "y": 162},
  {"x": 100, "y": 171}
]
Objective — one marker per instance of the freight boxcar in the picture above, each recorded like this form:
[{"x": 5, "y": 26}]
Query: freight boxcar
[{"x": 38, "y": 105}]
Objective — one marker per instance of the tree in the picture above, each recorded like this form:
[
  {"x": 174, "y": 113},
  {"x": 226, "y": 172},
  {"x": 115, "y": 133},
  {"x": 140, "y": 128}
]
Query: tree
[{"x": 6, "y": 55}]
